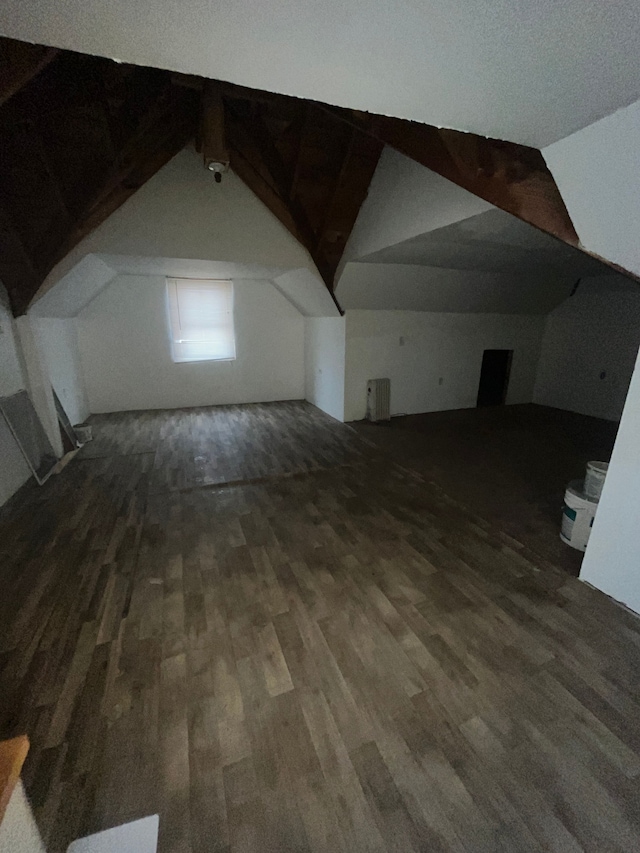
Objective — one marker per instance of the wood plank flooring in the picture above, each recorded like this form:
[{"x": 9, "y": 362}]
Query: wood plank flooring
[
  {"x": 511, "y": 464},
  {"x": 326, "y": 655}
]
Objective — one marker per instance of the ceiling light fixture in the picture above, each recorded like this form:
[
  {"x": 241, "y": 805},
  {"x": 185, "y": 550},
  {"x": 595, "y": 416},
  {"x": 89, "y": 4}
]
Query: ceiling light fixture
[{"x": 217, "y": 168}]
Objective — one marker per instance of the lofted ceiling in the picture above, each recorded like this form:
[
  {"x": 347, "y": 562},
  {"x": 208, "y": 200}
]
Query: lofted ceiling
[
  {"x": 493, "y": 241},
  {"x": 80, "y": 134},
  {"x": 529, "y": 71}
]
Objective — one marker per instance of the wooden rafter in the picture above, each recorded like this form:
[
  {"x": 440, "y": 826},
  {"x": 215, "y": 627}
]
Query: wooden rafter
[
  {"x": 163, "y": 132},
  {"x": 283, "y": 179},
  {"x": 214, "y": 148},
  {"x": 155, "y": 119},
  {"x": 95, "y": 131},
  {"x": 297, "y": 132},
  {"x": 512, "y": 177},
  {"x": 20, "y": 63},
  {"x": 256, "y": 182},
  {"x": 257, "y": 162},
  {"x": 16, "y": 267},
  {"x": 278, "y": 166},
  {"x": 128, "y": 122},
  {"x": 358, "y": 166},
  {"x": 344, "y": 171}
]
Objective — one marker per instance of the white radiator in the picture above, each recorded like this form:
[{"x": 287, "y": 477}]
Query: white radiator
[{"x": 378, "y": 400}]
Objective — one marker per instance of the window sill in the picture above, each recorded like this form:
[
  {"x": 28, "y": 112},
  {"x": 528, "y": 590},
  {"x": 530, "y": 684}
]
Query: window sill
[{"x": 204, "y": 360}]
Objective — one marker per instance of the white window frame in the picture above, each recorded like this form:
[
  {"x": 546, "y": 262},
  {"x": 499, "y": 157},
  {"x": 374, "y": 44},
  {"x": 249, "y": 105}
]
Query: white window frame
[{"x": 180, "y": 337}]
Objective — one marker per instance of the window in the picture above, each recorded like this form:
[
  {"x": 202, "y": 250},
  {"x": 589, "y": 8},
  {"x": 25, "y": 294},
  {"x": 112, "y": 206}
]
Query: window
[{"x": 201, "y": 319}]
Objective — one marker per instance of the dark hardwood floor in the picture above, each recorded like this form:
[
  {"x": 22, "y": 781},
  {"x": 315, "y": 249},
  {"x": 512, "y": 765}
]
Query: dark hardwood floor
[
  {"x": 510, "y": 464},
  {"x": 278, "y": 638}
]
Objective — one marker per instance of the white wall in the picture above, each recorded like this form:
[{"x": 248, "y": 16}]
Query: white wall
[
  {"x": 182, "y": 213},
  {"x": 14, "y": 470},
  {"x": 18, "y": 829},
  {"x": 58, "y": 342},
  {"x": 181, "y": 223},
  {"x": 594, "y": 331},
  {"x": 612, "y": 560},
  {"x": 324, "y": 358},
  {"x": 406, "y": 199},
  {"x": 447, "y": 346},
  {"x": 126, "y": 356},
  {"x": 71, "y": 285},
  {"x": 598, "y": 173}
]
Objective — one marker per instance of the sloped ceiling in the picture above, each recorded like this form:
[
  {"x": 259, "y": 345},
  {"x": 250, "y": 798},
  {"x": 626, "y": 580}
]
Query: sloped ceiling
[
  {"x": 492, "y": 241},
  {"x": 422, "y": 243},
  {"x": 80, "y": 135},
  {"x": 530, "y": 72},
  {"x": 182, "y": 223}
]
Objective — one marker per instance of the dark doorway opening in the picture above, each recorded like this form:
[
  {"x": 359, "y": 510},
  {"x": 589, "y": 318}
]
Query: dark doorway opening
[{"x": 494, "y": 377}]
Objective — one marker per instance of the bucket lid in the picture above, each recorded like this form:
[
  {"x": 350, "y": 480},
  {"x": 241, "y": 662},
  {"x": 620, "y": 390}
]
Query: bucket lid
[{"x": 600, "y": 467}]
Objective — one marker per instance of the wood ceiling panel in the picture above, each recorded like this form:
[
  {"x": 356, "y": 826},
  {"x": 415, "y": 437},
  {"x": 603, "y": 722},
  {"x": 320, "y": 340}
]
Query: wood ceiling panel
[{"x": 80, "y": 134}]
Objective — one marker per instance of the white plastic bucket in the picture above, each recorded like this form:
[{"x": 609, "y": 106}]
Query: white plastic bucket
[
  {"x": 577, "y": 516},
  {"x": 594, "y": 481}
]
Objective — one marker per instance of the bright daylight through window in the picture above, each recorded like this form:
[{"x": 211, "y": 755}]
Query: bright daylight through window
[{"x": 201, "y": 319}]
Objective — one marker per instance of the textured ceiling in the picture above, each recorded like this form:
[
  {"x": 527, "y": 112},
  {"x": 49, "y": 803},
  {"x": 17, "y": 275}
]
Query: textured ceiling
[{"x": 531, "y": 71}]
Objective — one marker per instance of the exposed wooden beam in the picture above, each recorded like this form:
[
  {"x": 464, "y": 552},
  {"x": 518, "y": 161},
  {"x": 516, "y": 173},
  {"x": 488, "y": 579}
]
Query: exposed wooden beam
[
  {"x": 257, "y": 183},
  {"x": 158, "y": 119},
  {"x": 214, "y": 148},
  {"x": 289, "y": 212},
  {"x": 297, "y": 131},
  {"x": 282, "y": 177},
  {"x": 271, "y": 158},
  {"x": 243, "y": 93},
  {"x": 269, "y": 196},
  {"x": 163, "y": 132},
  {"x": 20, "y": 63},
  {"x": 344, "y": 170},
  {"x": 17, "y": 271},
  {"x": 512, "y": 177},
  {"x": 120, "y": 193},
  {"x": 189, "y": 81},
  {"x": 360, "y": 160},
  {"x": 310, "y": 163},
  {"x": 34, "y": 142}
]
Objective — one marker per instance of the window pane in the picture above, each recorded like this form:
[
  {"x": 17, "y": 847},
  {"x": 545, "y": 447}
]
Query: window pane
[
  {"x": 200, "y": 307},
  {"x": 201, "y": 318}
]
